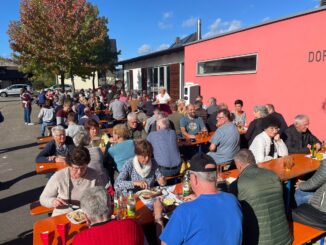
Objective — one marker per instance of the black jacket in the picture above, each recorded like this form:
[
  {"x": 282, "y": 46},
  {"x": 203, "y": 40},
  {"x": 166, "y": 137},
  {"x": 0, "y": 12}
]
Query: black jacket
[
  {"x": 255, "y": 128},
  {"x": 297, "y": 142}
]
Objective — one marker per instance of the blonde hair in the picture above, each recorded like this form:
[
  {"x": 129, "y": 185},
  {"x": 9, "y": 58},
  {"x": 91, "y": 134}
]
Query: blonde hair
[{"x": 121, "y": 130}]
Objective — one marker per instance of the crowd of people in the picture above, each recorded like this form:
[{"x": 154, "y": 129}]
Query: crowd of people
[{"x": 143, "y": 150}]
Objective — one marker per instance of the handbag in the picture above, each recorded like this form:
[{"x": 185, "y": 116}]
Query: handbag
[{"x": 308, "y": 215}]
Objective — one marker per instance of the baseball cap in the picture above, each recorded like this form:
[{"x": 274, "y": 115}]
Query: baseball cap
[{"x": 199, "y": 161}]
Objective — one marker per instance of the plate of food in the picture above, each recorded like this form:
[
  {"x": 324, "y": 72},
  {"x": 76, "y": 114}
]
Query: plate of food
[
  {"x": 148, "y": 194},
  {"x": 168, "y": 201},
  {"x": 76, "y": 217}
]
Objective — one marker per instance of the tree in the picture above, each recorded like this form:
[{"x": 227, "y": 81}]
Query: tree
[
  {"x": 57, "y": 37},
  {"x": 322, "y": 3}
]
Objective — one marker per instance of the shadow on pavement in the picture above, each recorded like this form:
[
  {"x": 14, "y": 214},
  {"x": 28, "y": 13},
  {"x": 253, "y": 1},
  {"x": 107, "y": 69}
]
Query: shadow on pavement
[
  {"x": 7, "y": 184},
  {"x": 15, "y": 148},
  {"x": 22, "y": 239},
  {"x": 21, "y": 199}
]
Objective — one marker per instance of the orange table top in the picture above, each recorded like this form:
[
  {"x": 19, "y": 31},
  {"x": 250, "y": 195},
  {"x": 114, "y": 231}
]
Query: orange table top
[
  {"x": 143, "y": 216},
  {"x": 45, "y": 139},
  {"x": 49, "y": 167},
  {"x": 199, "y": 140},
  {"x": 302, "y": 165}
]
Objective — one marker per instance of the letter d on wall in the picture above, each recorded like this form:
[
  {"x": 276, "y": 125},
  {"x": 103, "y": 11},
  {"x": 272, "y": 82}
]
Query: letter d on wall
[{"x": 311, "y": 57}]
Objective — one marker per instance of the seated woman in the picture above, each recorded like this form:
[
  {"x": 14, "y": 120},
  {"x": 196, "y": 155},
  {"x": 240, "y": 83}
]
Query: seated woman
[
  {"x": 65, "y": 188},
  {"x": 256, "y": 126},
  {"x": 98, "y": 138},
  {"x": 122, "y": 148},
  {"x": 268, "y": 144},
  {"x": 141, "y": 171},
  {"x": 57, "y": 149},
  {"x": 239, "y": 115}
]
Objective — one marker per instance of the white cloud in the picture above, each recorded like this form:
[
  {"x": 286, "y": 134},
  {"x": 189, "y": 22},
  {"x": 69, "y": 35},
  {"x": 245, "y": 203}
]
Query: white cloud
[
  {"x": 163, "y": 25},
  {"x": 144, "y": 49},
  {"x": 163, "y": 46},
  {"x": 266, "y": 19},
  {"x": 167, "y": 15},
  {"x": 190, "y": 22},
  {"x": 218, "y": 27}
]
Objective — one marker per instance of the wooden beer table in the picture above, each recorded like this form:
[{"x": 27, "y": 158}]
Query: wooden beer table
[
  {"x": 49, "y": 167},
  {"x": 143, "y": 216},
  {"x": 45, "y": 139}
]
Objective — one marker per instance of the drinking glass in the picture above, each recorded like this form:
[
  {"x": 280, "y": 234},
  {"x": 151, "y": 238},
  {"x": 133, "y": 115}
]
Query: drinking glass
[{"x": 288, "y": 163}]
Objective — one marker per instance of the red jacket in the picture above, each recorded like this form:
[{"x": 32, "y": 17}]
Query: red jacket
[{"x": 115, "y": 232}]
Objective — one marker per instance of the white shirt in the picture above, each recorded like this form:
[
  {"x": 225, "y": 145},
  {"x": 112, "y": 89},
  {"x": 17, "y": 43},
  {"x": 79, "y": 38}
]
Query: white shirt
[{"x": 163, "y": 99}]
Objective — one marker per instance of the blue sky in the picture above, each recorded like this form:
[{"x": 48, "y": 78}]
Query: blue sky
[{"x": 149, "y": 25}]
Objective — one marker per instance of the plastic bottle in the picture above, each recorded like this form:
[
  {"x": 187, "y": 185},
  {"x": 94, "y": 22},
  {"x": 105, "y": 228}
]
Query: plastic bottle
[{"x": 131, "y": 205}]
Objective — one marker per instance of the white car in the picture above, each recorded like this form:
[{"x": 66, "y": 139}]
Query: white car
[
  {"x": 58, "y": 86},
  {"x": 14, "y": 89}
]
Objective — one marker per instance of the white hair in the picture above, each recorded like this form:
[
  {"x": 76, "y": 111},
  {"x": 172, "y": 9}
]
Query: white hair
[
  {"x": 300, "y": 118},
  {"x": 57, "y": 128}
]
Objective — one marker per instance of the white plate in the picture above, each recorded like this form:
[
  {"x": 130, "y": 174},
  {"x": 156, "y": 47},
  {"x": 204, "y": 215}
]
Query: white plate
[
  {"x": 72, "y": 219},
  {"x": 229, "y": 180}
]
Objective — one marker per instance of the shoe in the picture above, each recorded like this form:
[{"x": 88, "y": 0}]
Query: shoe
[
  {"x": 26, "y": 123},
  {"x": 29, "y": 124}
]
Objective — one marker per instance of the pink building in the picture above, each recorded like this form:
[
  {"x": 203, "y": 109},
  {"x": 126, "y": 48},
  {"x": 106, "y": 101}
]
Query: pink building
[{"x": 281, "y": 62}]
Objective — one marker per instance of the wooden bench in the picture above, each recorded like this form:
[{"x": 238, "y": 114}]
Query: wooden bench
[
  {"x": 303, "y": 234},
  {"x": 35, "y": 208}
]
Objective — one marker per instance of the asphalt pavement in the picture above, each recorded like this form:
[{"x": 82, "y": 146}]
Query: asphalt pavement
[{"x": 19, "y": 183}]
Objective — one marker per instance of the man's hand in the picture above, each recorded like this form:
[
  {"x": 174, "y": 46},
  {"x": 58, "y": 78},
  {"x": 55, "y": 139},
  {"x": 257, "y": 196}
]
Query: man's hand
[
  {"x": 318, "y": 146},
  {"x": 161, "y": 181},
  {"x": 60, "y": 159},
  {"x": 297, "y": 184},
  {"x": 142, "y": 184},
  {"x": 58, "y": 202},
  {"x": 158, "y": 209},
  {"x": 51, "y": 158},
  {"x": 277, "y": 137}
]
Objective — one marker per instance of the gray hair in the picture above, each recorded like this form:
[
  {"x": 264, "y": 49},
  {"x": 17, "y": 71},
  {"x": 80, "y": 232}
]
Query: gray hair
[
  {"x": 57, "y": 128},
  {"x": 206, "y": 176},
  {"x": 132, "y": 115},
  {"x": 270, "y": 107},
  {"x": 245, "y": 156},
  {"x": 261, "y": 109},
  {"x": 96, "y": 203},
  {"x": 300, "y": 118},
  {"x": 82, "y": 138},
  {"x": 163, "y": 123}
]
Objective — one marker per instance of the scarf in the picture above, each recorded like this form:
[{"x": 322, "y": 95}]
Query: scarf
[{"x": 142, "y": 170}]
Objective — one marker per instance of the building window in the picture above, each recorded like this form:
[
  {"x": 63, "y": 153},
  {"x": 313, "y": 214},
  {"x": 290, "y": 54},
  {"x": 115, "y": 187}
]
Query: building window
[{"x": 231, "y": 65}]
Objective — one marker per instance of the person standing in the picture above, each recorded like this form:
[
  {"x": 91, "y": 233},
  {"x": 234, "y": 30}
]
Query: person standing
[{"x": 26, "y": 99}]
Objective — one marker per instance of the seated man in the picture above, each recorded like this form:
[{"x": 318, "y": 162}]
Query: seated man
[
  {"x": 136, "y": 130},
  {"x": 166, "y": 151},
  {"x": 225, "y": 142},
  {"x": 97, "y": 206},
  {"x": 88, "y": 115},
  {"x": 175, "y": 118},
  {"x": 200, "y": 111},
  {"x": 212, "y": 217},
  {"x": 261, "y": 195},
  {"x": 298, "y": 138},
  {"x": 118, "y": 108},
  {"x": 305, "y": 190},
  {"x": 268, "y": 144},
  {"x": 191, "y": 124},
  {"x": 57, "y": 149}
]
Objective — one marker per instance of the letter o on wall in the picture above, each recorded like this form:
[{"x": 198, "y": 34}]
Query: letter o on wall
[{"x": 318, "y": 56}]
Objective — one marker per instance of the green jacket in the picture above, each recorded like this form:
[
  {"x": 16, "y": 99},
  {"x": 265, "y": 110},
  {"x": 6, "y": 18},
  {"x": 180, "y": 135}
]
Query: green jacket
[{"x": 261, "y": 196}]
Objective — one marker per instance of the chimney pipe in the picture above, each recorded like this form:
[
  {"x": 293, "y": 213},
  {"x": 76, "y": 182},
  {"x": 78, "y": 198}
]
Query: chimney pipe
[{"x": 198, "y": 29}]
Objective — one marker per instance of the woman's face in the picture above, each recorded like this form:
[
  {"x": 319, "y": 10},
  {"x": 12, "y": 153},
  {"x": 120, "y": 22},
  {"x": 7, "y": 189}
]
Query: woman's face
[
  {"x": 93, "y": 131},
  {"x": 76, "y": 171},
  {"x": 256, "y": 114},
  {"x": 115, "y": 136},
  {"x": 238, "y": 108},
  {"x": 143, "y": 160}
]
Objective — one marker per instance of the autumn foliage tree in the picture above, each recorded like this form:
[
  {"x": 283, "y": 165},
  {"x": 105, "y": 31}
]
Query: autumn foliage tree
[{"x": 61, "y": 37}]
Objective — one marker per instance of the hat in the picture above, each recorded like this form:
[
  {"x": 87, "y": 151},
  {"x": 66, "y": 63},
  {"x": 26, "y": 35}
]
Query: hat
[
  {"x": 199, "y": 161},
  {"x": 270, "y": 121}
]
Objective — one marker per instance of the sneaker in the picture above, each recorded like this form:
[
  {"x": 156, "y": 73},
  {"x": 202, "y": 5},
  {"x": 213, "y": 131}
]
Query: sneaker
[
  {"x": 26, "y": 123},
  {"x": 30, "y": 124}
]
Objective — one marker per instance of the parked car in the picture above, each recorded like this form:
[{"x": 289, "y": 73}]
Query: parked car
[
  {"x": 58, "y": 86},
  {"x": 14, "y": 89}
]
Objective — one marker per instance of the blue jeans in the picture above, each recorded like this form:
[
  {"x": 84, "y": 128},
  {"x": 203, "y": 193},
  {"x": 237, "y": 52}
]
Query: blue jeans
[
  {"x": 27, "y": 114},
  {"x": 302, "y": 196},
  {"x": 44, "y": 125}
]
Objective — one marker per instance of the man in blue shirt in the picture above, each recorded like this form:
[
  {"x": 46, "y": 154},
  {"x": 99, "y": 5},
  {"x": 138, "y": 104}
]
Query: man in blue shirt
[
  {"x": 191, "y": 124},
  {"x": 211, "y": 217},
  {"x": 166, "y": 151}
]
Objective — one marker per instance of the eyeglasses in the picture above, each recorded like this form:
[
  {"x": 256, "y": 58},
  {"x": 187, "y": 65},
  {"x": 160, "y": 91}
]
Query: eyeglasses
[
  {"x": 81, "y": 168},
  {"x": 133, "y": 122},
  {"x": 220, "y": 117},
  {"x": 60, "y": 135}
]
